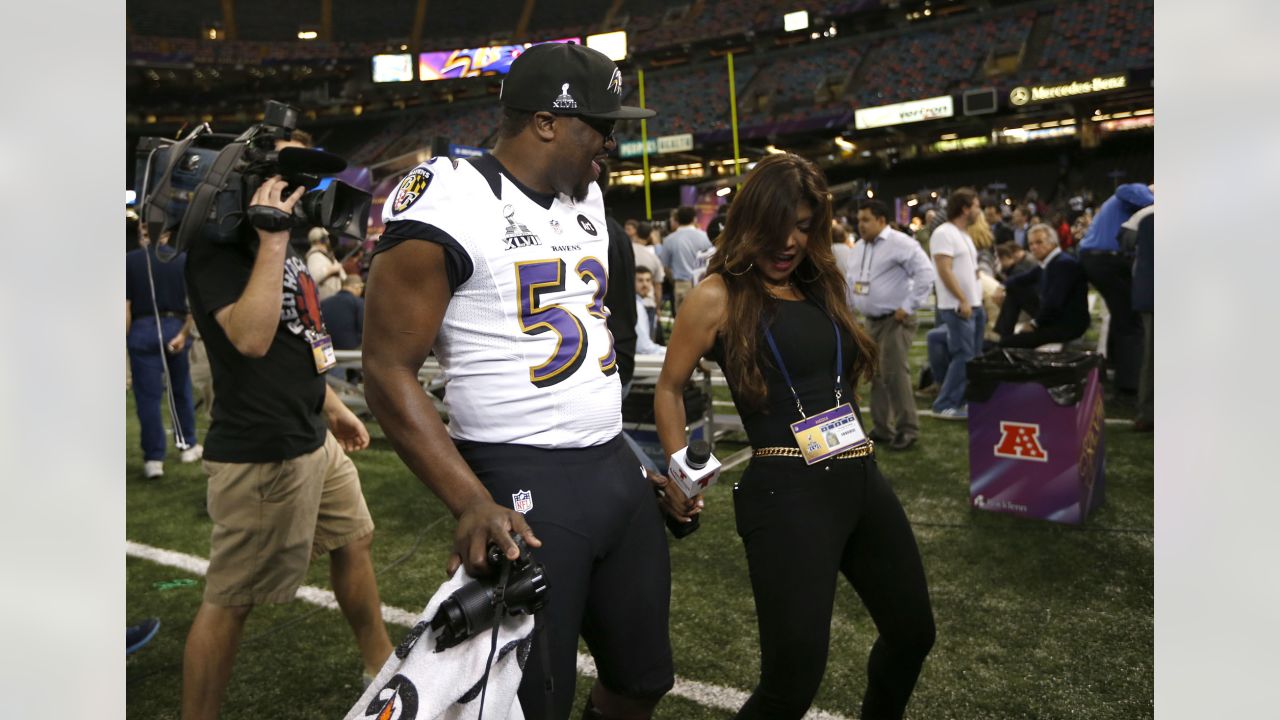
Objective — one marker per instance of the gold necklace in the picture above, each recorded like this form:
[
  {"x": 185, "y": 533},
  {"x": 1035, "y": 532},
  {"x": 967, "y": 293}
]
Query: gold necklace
[{"x": 773, "y": 290}]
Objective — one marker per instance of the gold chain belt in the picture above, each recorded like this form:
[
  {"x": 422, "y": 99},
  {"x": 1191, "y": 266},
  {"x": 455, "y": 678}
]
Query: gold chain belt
[{"x": 860, "y": 451}]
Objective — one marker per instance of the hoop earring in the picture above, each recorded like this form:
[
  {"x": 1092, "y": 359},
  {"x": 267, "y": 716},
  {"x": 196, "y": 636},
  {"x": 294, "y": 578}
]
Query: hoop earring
[{"x": 744, "y": 272}]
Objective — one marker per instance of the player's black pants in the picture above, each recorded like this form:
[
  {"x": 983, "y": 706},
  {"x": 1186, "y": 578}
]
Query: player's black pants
[
  {"x": 1112, "y": 275},
  {"x": 604, "y": 549},
  {"x": 803, "y": 526}
]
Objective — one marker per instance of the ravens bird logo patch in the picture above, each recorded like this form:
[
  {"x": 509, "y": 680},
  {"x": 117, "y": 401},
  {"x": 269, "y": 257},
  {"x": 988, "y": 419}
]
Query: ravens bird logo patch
[{"x": 413, "y": 186}]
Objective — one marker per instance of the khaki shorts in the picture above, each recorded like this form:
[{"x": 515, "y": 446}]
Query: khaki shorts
[
  {"x": 271, "y": 519},
  {"x": 682, "y": 288}
]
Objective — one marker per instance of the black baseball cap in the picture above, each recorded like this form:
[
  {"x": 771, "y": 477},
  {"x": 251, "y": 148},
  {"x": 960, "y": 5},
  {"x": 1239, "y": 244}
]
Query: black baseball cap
[{"x": 567, "y": 79}]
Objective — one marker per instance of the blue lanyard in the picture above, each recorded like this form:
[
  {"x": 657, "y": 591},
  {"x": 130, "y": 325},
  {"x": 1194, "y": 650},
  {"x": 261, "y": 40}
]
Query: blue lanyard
[{"x": 768, "y": 336}]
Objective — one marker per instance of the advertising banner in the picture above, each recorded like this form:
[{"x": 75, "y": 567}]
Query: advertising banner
[
  {"x": 657, "y": 146},
  {"x": 908, "y": 112},
  {"x": 1041, "y": 93}
]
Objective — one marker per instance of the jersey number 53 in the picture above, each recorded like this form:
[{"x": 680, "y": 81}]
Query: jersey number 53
[{"x": 534, "y": 278}]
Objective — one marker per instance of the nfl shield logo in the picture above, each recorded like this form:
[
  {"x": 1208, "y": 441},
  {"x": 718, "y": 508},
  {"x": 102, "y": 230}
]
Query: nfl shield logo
[{"x": 522, "y": 501}]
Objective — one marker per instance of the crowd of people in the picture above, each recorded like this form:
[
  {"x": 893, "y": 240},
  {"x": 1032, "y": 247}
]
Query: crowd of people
[{"x": 510, "y": 270}]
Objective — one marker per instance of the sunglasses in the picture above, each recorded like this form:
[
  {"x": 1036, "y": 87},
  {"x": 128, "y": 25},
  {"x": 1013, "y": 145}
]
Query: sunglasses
[{"x": 604, "y": 126}]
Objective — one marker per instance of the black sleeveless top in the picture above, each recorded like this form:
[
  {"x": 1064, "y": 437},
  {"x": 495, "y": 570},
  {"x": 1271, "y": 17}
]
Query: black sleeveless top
[{"x": 807, "y": 343}]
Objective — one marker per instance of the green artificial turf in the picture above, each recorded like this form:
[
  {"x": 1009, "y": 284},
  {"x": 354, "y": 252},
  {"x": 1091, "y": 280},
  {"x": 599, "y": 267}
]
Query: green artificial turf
[{"x": 1035, "y": 620}]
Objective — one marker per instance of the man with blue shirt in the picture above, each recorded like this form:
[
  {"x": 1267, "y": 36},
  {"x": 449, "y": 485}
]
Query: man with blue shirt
[
  {"x": 681, "y": 249},
  {"x": 889, "y": 277},
  {"x": 1109, "y": 268}
]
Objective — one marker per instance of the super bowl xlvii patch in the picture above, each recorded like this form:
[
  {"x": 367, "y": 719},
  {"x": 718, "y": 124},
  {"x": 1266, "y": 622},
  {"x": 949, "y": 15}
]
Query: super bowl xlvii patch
[
  {"x": 522, "y": 501},
  {"x": 413, "y": 186}
]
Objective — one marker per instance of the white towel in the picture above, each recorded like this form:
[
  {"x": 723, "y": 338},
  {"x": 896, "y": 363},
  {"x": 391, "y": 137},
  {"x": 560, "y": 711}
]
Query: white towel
[{"x": 417, "y": 683}]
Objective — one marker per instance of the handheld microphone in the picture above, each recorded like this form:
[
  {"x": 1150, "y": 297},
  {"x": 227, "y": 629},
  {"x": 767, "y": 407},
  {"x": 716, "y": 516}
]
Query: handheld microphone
[{"x": 695, "y": 469}]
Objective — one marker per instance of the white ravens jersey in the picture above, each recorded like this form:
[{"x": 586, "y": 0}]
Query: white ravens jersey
[{"x": 526, "y": 356}]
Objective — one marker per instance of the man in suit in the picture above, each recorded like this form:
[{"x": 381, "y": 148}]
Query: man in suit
[
  {"x": 344, "y": 314},
  {"x": 1063, "y": 291}
]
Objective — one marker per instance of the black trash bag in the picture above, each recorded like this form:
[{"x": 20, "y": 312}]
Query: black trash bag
[
  {"x": 1063, "y": 374},
  {"x": 637, "y": 406}
]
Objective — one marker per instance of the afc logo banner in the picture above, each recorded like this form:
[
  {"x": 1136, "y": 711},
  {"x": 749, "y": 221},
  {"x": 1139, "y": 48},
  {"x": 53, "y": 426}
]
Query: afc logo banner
[{"x": 1021, "y": 441}]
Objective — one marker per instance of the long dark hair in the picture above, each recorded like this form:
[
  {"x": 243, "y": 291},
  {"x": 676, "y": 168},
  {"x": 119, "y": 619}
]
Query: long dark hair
[{"x": 761, "y": 218}]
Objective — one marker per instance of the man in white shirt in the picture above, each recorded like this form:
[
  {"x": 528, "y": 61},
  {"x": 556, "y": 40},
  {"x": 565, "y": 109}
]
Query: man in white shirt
[
  {"x": 889, "y": 277},
  {"x": 644, "y": 314},
  {"x": 959, "y": 302}
]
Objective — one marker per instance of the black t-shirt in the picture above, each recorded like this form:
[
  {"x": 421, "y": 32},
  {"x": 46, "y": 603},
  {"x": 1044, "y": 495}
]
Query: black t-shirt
[{"x": 265, "y": 409}]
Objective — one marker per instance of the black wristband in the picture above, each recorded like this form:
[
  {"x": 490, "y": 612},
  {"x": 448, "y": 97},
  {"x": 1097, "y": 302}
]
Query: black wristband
[{"x": 269, "y": 219}]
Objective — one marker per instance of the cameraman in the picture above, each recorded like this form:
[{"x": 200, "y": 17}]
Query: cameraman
[{"x": 281, "y": 489}]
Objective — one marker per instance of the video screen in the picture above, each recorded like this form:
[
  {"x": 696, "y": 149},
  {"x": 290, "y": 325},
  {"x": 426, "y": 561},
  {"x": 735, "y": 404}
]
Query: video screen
[
  {"x": 473, "y": 62},
  {"x": 392, "y": 68}
]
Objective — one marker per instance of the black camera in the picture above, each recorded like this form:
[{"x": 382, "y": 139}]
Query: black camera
[
  {"x": 203, "y": 183},
  {"x": 516, "y": 587}
]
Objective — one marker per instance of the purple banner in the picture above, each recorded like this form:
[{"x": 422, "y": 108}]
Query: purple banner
[{"x": 1029, "y": 456}]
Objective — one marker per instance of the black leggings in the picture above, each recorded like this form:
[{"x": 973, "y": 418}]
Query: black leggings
[{"x": 802, "y": 525}]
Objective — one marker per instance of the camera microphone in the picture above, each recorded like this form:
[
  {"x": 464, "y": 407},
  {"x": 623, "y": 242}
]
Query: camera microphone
[
  {"x": 312, "y": 162},
  {"x": 695, "y": 469}
]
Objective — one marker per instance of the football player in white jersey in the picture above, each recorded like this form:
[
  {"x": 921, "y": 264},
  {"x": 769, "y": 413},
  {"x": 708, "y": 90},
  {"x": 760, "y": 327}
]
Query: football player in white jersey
[{"x": 500, "y": 265}]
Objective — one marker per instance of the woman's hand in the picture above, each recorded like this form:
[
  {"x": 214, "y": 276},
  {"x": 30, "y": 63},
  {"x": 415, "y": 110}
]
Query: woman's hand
[{"x": 672, "y": 499}]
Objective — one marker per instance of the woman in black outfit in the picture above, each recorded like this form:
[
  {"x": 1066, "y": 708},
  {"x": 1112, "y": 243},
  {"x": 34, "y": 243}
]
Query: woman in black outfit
[{"x": 801, "y": 524}]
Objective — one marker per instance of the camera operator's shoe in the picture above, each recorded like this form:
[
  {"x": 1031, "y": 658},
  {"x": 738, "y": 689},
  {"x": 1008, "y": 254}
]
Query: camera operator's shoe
[
  {"x": 192, "y": 454},
  {"x": 153, "y": 469},
  {"x": 138, "y": 635}
]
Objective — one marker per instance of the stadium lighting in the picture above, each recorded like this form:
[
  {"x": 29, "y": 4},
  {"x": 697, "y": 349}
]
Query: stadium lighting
[
  {"x": 613, "y": 44},
  {"x": 308, "y": 34},
  {"x": 798, "y": 20},
  {"x": 724, "y": 191}
]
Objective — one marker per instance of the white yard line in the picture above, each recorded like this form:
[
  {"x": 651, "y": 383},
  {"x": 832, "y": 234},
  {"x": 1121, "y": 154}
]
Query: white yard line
[{"x": 704, "y": 694}]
